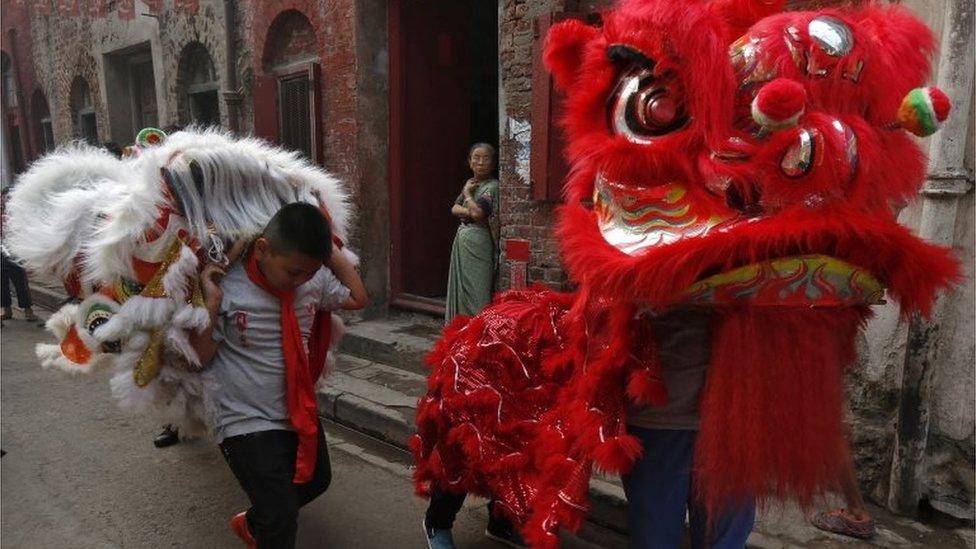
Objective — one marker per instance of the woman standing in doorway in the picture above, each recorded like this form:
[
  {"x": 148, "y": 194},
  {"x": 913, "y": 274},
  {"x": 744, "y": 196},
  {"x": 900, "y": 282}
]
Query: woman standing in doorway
[{"x": 474, "y": 256}]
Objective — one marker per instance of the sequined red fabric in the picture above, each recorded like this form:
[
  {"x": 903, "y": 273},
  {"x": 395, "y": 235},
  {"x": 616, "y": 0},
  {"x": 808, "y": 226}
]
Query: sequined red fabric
[{"x": 526, "y": 398}]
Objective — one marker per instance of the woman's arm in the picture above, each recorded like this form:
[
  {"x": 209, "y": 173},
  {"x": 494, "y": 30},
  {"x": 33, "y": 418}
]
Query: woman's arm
[
  {"x": 458, "y": 210},
  {"x": 475, "y": 210}
]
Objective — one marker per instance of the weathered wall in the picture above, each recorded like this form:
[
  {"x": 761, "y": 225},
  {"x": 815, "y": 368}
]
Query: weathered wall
[
  {"x": 372, "y": 149},
  {"x": 349, "y": 41},
  {"x": 946, "y": 474},
  {"x": 522, "y": 217},
  {"x": 177, "y": 30},
  {"x": 70, "y": 42}
]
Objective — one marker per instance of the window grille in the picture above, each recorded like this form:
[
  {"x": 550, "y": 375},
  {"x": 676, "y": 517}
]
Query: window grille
[{"x": 295, "y": 118}]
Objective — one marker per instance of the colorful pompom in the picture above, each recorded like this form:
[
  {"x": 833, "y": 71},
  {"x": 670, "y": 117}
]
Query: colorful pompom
[
  {"x": 779, "y": 104},
  {"x": 923, "y": 110},
  {"x": 147, "y": 137}
]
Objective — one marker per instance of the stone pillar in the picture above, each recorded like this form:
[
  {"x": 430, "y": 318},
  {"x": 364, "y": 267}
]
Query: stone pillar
[
  {"x": 948, "y": 182},
  {"x": 232, "y": 96}
]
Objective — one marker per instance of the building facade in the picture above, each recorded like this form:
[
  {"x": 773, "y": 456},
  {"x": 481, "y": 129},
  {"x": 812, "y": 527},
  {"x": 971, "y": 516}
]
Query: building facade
[{"x": 389, "y": 94}]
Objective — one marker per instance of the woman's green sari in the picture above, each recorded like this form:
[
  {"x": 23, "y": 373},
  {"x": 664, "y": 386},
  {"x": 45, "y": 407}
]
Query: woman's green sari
[{"x": 473, "y": 257}]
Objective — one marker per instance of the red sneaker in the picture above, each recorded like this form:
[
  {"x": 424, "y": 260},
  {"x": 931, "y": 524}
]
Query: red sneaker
[
  {"x": 238, "y": 523},
  {"x": 839, "y": 521}
]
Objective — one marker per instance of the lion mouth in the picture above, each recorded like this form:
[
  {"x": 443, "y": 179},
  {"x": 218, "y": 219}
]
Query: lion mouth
[
  {"x": 634, "y": 219},
  {"x": 638, "y": 219}
]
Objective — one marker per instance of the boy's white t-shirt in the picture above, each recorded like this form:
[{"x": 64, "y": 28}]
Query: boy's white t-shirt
[{"x": 249, "y": 364}]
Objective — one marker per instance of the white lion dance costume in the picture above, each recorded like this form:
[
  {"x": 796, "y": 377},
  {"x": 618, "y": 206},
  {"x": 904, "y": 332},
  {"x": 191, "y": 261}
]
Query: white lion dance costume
[{"x": 128, "y": 237}]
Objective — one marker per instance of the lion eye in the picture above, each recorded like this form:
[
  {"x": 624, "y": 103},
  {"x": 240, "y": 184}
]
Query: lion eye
[{"x": 644, "y": 106}]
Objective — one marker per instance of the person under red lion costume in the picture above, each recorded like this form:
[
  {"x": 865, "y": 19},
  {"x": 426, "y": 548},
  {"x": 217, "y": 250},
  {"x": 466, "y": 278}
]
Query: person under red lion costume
[{"x": 724, "y": 156}]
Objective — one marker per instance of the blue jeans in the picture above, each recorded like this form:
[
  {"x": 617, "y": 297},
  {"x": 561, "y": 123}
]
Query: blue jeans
[{"x": 659, "y": 493}]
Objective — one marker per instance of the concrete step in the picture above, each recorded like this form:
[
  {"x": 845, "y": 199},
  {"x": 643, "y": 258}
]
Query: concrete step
[
  {"x": 401, "y": 341},
  {"x": 373, "y": 398}
]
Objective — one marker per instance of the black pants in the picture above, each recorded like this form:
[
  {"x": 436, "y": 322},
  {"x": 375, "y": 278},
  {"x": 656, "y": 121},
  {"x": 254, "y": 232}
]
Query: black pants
[
  {"x": 11, "y": 272},
  {"x": 264, "y": 464},
  {"x": 444, "y": 506}
]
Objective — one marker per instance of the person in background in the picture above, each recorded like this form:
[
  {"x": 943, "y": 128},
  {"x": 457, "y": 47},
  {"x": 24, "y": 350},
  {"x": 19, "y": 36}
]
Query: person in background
[
  {"x": 474, "y": 255},
  {"x": 12, "y": 273}
]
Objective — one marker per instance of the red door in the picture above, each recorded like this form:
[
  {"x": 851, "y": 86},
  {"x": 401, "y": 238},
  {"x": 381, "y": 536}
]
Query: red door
[{"x": 437, "y": 83}]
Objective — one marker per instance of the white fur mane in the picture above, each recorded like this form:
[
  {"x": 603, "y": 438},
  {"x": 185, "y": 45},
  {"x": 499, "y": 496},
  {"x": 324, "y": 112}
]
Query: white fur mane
[{"x": 83, "y": 200}]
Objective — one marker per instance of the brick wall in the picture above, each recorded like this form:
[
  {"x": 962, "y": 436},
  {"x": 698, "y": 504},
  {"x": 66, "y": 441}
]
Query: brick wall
[
  {"x": 334, "y": 45},
  {"x": 522, "y": 217},
  {"x": 350, "y": 45},
  {"x": 70, "y": 40},
  {"x": 63, "y": 40}
]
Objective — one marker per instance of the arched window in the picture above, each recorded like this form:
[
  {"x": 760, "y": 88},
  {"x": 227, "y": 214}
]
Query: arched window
[
  {"x": 290, "y": 41},
  {"x": 83, "y": 111},
  {"x": 198, "y": 87},
  {"x": 41, "y": 120},
  {"x": 287, "y": 95}
]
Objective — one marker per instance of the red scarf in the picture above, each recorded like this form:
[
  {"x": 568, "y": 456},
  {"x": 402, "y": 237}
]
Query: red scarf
[{"x": 301, "y": 370}]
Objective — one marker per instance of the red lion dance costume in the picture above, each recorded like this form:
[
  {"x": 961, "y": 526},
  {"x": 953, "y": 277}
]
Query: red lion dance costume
[{"x": 725, "y": 156}]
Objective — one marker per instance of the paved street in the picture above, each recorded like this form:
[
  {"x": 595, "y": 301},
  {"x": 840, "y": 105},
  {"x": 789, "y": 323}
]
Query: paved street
[{"x": 80, "y": 473}]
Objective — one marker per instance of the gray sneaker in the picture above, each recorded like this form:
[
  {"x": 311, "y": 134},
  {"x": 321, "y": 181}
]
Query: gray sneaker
[{"x": 438, "y": 538}]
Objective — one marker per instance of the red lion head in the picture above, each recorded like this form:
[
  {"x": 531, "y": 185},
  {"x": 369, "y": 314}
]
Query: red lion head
[{"x": 711, "y": 136}]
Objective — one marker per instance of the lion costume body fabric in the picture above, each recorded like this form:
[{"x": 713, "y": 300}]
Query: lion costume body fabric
[
  {"x": 724, "y": 155},
  {"x": 127, "y": 239}
]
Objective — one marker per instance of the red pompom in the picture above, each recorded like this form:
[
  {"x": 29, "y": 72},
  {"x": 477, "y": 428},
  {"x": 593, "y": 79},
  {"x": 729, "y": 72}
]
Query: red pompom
[
  {"x": 941, "y": 103},
  {"x": 617, "y": 454},
  {"x": 779, "y": 104},
  {"x": 642, "y": 388}
]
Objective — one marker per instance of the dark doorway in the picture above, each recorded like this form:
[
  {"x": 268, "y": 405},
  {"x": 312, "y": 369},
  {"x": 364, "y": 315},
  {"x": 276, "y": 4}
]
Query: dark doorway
[
  {"x": 41, "y": 118},
  {"x": 130, "y": 92},
  {"x": 8, "y": 108},
  {"x": 443, "y": 98},
  {"x": 144, "y": 94},
  {"x": 205, "y": 108},
  {"x": 198, "y": 101},
  {"x": 83, "y": 112}
]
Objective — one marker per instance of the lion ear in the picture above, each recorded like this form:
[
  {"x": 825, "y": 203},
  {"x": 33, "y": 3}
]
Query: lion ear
[
  {"x": 739, "y": 15},
  {"x": 564, "y": 49}
]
